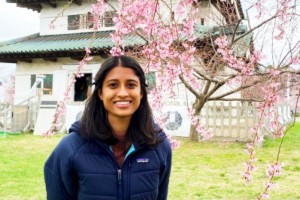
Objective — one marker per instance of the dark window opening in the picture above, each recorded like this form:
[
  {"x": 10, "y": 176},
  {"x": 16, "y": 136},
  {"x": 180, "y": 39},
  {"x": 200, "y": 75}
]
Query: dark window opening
[
  {"x": 202, "y": 21},
  {"x": 73, "y": 22},
  {"x": 83, "y": 87}
]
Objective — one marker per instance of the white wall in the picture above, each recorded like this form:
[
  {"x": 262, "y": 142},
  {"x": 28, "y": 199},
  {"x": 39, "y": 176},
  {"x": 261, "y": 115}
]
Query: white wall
[
  {"x": 2, "y": 94},
  {"x": 22, "y": 86}
]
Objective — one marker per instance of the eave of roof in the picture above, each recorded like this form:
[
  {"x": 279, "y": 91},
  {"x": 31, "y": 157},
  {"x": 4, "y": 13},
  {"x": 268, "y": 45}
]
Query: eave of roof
[
  {"x": 63, "y": 45},
  {"x": 36, "y": 5}
]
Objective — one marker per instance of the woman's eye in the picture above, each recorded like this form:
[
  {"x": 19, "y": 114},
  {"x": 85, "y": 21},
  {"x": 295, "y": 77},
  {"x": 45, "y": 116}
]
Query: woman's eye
[
  {"x": 112, "y": 85},
  {"x": 131, "y": 85}
]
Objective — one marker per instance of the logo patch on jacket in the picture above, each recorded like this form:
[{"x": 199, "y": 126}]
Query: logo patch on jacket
[{"x": 142, "y": 160}]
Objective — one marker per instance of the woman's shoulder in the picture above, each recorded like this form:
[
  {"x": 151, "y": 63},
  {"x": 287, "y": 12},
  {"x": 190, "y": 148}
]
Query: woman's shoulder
[
  {"x": 164, "y": 142},
  {"x": 70, "y": 143},
  {"x": 64, "y": 152}
]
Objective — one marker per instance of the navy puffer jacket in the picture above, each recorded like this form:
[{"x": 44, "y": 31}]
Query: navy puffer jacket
[{"x": 88, "y": 170}]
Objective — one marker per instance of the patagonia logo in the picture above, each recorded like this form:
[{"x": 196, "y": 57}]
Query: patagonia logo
[{"x": 142, "y": 160}]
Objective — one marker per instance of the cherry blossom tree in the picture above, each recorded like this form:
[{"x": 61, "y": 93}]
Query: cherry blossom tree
[{"x": 217, "y": 52}]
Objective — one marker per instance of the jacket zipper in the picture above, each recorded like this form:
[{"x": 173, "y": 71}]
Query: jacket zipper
[
  {"x": 119, "y": 176},
  {"x": 119, "y": 173}
]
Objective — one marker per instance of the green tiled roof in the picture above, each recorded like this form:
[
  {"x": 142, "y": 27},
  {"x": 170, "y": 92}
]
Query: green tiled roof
[
  {"x": 64, "y": 42},
  {"x": 73, "y": 45},
  {"x": 79, "y": 41}
]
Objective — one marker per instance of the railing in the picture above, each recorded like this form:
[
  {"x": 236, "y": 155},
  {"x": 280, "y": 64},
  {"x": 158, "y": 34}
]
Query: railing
[
  {"x": 5, "y": 118},
  {"x": 19, "y": 117}
]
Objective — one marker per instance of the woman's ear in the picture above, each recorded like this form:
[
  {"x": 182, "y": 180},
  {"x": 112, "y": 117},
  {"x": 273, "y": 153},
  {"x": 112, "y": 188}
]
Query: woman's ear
[
  {"x": 142, "y": 93},
  {"x": 100, "y": 94}
]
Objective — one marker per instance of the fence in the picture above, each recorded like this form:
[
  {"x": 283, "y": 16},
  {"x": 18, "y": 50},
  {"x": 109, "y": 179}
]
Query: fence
[{"x": 234, "y": 120}]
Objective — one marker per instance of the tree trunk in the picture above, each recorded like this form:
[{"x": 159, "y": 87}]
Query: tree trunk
[{"x": 197, "y": 106}]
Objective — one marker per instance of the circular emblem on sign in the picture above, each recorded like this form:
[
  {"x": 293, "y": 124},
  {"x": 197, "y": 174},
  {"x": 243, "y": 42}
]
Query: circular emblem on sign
[{"x": 174, "y": 120}]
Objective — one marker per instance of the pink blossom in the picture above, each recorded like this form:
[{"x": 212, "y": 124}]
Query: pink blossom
[
  {"x": 49, "y": 133},
  {"x": 274, "y": 169},
  {"x": 270, "y": 185},
  {"x": 188, "y": 27},
  {"x": 116, "y": 38},
  {"x": 51, "y": 26},
  {"x": 87, "y": 50},
  {"x": 265, "y": 196},
  {"x": 185, "y": 3},
  {"x": 295, "y": 60},
  {"x": 98, "y": 10},
  {"x": 116, "y": 51},
  {"x": 88, "y": 58},
  {"x": 259, "y": 7},
  {"x": 204, "y": 133},
  {"x": 174, "y": 143},
  {"x": 281, "y": 33},
  {"x": 274, "y": 72},
  {"x": 256, "y": 57},
  {"x": 247, "y": 177},
  {"x": 222, "y": 42}
]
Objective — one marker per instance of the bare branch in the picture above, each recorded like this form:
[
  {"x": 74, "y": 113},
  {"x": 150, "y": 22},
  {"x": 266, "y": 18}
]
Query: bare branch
[
  {"x": 253, "y": 29},
  {"x": 214, "y": 89},
  {"x": 235, "y": 99},
  {"x": 189, "y": 87},
  {"x": 237, "y": 89},
  {"x": 205, "y": 77},
  {"x": 235, "y": 30}
]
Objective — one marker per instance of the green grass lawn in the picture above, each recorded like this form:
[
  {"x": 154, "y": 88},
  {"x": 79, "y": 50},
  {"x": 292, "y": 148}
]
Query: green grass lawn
[{"x": 206, "y": 170}]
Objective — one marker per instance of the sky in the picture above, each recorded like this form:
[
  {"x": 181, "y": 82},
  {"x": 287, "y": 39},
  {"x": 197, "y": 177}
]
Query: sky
[{"x": 15, "y": 22}]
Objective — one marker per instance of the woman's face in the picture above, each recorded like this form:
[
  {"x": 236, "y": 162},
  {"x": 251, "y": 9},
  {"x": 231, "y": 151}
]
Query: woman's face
[{"x": 121, "y": 93}]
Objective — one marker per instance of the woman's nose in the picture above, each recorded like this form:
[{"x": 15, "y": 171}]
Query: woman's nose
[{"x": 123, "y": 91}]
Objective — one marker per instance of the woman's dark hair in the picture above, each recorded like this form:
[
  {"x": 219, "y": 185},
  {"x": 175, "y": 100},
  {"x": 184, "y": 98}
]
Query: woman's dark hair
[{"x": 94, "y": 122}]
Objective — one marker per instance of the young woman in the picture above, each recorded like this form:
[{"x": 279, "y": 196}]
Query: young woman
[{"x": 115, "y": 151}]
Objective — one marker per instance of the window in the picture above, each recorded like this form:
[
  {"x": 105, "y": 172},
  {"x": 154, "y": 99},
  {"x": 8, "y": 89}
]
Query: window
[
  {"x": 85, "y": 21},
  {"x": 44, "y": 81},
  {"x": 107, "y": 19},
  {"x": 82, "y": 21}
]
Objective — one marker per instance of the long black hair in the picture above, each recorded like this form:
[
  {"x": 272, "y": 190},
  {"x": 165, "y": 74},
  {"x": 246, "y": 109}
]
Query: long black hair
[{"x": 94, "y": 122}]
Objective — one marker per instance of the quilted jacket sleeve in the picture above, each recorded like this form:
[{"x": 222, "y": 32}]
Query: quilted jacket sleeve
[
  {"x": 165, "y": 153},
  {"x": 59, "y": 177}
]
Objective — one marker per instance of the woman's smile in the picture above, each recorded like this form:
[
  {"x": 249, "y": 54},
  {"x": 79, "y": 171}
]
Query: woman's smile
[{"x": 123, "y": 104}]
